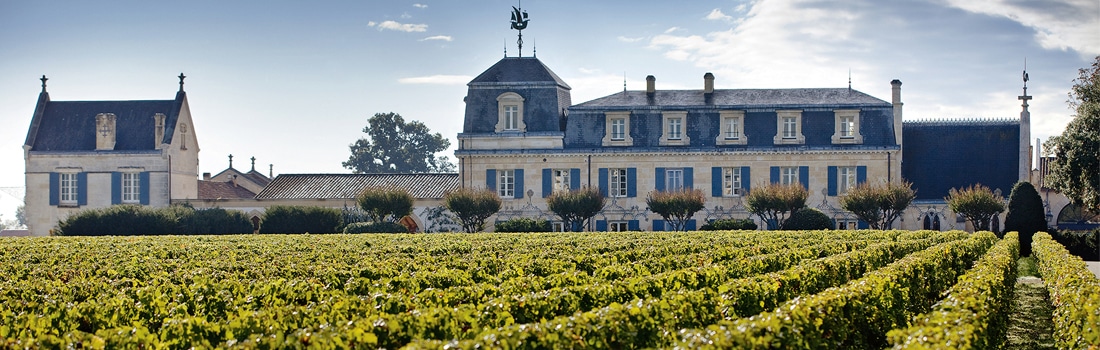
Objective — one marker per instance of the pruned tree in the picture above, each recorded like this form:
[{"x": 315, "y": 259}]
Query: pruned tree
[
  {"x": 1025, "y": 214},
  {"x": 773, "y": 202},
  {"x": 576, "y": 207},
  {"x": 1075, "y": 171},
  {"x": 472, "y": 207},
  {"x": 21, "y": 215},
  {"x": 385, "y": 204},
  {"x": 977, "y": 203},
  {"x": 878, "y": 205},
  {"x": 808, "y": 219},
  {"x": 394, "y": 146},
  {"x": 676, "y": 207}
]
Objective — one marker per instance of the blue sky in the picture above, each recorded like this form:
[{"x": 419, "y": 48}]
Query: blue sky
[{"x": 293, "y": 83}]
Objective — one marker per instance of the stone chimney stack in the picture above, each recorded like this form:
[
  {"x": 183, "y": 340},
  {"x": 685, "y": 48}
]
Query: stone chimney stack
[
  {"x": 650, "y": 85},
  {"x": 206, "y": 176},
  {"x": 105, "y": 131},
  {"x": 708, "y": 83},
  {"x": 158, "y": 130},
  {"x": 896, "y": 99}
]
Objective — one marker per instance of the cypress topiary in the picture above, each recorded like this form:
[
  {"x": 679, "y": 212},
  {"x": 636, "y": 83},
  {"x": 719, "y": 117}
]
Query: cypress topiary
[
  {"x": 808, "y": 219},
  {"x": 1025, "y": 214}
]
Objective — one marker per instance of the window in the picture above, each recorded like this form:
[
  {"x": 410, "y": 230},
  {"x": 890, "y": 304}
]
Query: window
[
  {"x": 510, "y": 113},
  {"x": 67, "y": 189},
  {"x": 846, "y": 224},
  {"x": 846, "y": 179},
  {"x": 131, "y": 188},
  {"x": 731, "y": 182},
  {"x": 847, "y": 127},
  {"x": 674, "y": 179},
  {"x": 732, "y": 128},
  {"x": 558, "y": 226},
  {"x": 788, "y": 175},
  {"x": 561, "y": 180},
  {"x": 618, "y": 182},
  {"x": 789, "y": 128},
  {"x": 675, "y": 129},
  {"x": 506, "y": 184},
  {"x": 618, "y": 129},
  {"x": 618, "y": 226}
]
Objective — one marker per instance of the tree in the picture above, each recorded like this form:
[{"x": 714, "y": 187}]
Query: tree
[
  {"x": 393, "y": 146},
  {"x": 772, "y": 202},
  {"x": 676, "y": 207},
  {"x": 808, "y": 219},
  {"x": 385, "y": 204},
  {"x": 977, "y": 203},
  {"x": 1025, "y": 214},
  {"x": 21, "y": 215},
  {"x": 879, "y": 206},
  {"x": 1075, "y": 171},
  {"x": 576, "y": 207},
  {"x": 472, "y": 207}
]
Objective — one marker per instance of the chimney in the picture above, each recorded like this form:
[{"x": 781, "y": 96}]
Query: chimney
[
  {"x": 233, "y": 180},
  {"x": 158, "y": 130},
  {"x": 708, "y": 83},
  {"x": 650, "y": 85},
  {"x": 206, "y": 176},
  {"x": 105, "y": 131},
  {"x": 896, "y": 84}
]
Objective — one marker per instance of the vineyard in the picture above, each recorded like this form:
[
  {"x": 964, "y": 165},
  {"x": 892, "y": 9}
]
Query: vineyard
[{"x": 740, "y": 289}]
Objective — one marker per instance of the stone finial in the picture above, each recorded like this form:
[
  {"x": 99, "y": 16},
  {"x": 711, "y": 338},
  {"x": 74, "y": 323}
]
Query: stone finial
[
  {"x": 253, "y": 163},
  {"x": 181, "y": 81},
  {"x": 231, "y": 161},
  {"x": 44, "y": 79}
]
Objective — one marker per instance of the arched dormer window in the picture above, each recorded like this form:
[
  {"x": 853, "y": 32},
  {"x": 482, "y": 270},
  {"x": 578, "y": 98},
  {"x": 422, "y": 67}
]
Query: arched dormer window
[{"x": 510, "y": 113}]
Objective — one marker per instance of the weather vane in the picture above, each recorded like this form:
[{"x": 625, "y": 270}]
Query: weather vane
[{"x": 519, "y": 22}]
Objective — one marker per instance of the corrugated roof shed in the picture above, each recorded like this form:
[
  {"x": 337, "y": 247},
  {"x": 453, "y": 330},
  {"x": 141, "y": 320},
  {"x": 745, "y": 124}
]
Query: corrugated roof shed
[{"x": 346, "y": 186}]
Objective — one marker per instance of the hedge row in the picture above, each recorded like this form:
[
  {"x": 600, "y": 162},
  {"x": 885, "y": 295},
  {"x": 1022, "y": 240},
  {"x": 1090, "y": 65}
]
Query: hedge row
[
  {"x": 133, "y": 220},
  {"x": 974, "y": 314},
  {"x": 302, "y": 219},
  {"x": 855, "y": 315},
  {"x": 1074, "y": 291}
]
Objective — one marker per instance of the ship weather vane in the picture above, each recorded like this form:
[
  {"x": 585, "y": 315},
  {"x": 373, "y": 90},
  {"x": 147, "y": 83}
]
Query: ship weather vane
[{"x": 519, "y": 22}]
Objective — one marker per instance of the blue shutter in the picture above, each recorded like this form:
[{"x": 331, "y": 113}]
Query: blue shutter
[
  {"x": 716, "y": 181},
  {"x": 519, "y": 184},
  {"x": 547, "y": 182},
  {"x": 862, "y": 225},
  {"x": 775, "y": 174},
  {"x": 55, "y": 189},
  {"x": 690, "y": 225},
  {"x": 603, "y": 181},
  {"x": 832, "y": 180},
  {"x": 82, "y": 188},
  {"x": 804, "y": 176},
  {"x": 491, "y": 179},
  {"x": 633, "y": 225},
  {"x": 658, "y": 225},
  {"x": 631, "y": 182},
  {"x": 601, "y": 225},
  {"x": 143, "y": 180},
  {"x": 574, "y": 179},
  {"x": 689, "y": 182},
  {"x": 659, "y": 178},
  {"x": 861, "y": 174},
  {"x": 116, "y": 188},
  {"x": 746, "y": 180}
]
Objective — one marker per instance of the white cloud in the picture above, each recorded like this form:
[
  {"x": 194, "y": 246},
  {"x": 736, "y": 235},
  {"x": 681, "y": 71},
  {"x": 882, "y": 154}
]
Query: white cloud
[
  {"x": 717, "y": 14},
  {"x": 372, "y": 23},
  {"x": 438, "y": 37},
  {"x": 630, "y": 40},
  {"x": 673, "y": 29},
  {"x": 402, "y": 27},
  {"x": 1058, "y": 24},
  {"x": 589, "y": 70},
  {"x": 439, "y": 79},
  {"x": 420, "y": 6},
  {"x": 406, "y": 15}
]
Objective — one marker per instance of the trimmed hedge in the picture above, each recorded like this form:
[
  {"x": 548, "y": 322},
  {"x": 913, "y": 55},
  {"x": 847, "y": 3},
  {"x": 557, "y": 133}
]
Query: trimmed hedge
[
  {"x": 857, "y": 314},
  {"x": 974, "y": 314},
  {"x": 375, "y": 227},
  {"x": 808, "y": 219},
  {"x": 136, "y": 220},
  {"x": 1074, "y": 291},
  {"x": 301, "y": 219},
  {"x": 729, "y": 225},
  {"x": 523, "y": 225}
]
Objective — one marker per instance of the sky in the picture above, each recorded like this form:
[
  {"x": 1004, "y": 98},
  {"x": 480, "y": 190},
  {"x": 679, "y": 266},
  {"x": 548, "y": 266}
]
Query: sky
[{"x": 293, "y": 83}]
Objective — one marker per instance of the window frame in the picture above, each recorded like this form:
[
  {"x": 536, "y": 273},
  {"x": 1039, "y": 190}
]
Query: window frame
[
  {"x": 560, "y": 181},
  {"x": 788, "y": 175},
  {"x": 131, "y": 188},
  {"x": 737, "y": 120},
  {"x": 847, "y": 127},
  {"x": 788, "y": 133},
  {"x": 617, "y": 179},
  {"x": 68, "y": 188},
  {"x": 609, "y": 138},
  {"x": 618, "y": 129},
  {"x": 506, "y": 183},
  {"x": 846, "y": 224},
  {"x": 618, "y": 226},
  {"x": 506, "y": 103},
  {"x": 674, "y": 182},
  {"x": 675, "y": 127},
  {"x": 681, "y": 137},
  {"x": 732, "y": 182},
  {"x": 845, "y": 179}
]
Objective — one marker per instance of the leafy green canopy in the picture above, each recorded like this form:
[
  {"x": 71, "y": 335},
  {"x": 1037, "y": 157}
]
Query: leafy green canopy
[
  {"x": 977, "y": 203},
  {"x": 1075, "y": 171},
  {"x": 772, "y": 202},
  {"x": 576, "y": 207},
  {"x": 394, "y": 146},
  {"x": 1025, "y": 214},
  {"x": 383, "y": 204},
  {"x": 878, "y": 205},
  {"x": 472, "y": 207},
  {"x": 676, "y": 207}
]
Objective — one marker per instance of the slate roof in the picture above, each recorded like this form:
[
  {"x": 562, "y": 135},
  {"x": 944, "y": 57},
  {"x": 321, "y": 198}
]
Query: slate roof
[
  {"x": 256, "y": 177},
  {"x": 519, "y": 70},
  {"x": 737, "y": 97},
  {"x": 223, "y": 190},
  {"x": 346, "y": 186},
  {"x": 940, "y": 155},
  {"x": 70, "y": 125}
]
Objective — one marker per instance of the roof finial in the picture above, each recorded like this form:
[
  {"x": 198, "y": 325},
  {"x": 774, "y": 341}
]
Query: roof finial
[
  {"x": 271, "y": 171},
  {"x": 624, "y": 82},
  {"x": 849, "y": 80},
  {"x": 253, "y": 163},
  {"x": 519, "y": 22},
  {"x": 44, "y": 79},
  {"x": 231, "y": 161},
  {"x": 181, "y": 81},
  {"x": 534, "y": 48},
  {"x": 1025, "y": 97}
]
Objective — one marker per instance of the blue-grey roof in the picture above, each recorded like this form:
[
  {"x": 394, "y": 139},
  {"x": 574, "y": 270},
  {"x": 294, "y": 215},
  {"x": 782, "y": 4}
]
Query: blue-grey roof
[
  {"x": 71, "y": 125},
  {"x": 519, "y": 70},
  {"x": 941, "y": 155},
  {"x": 738, "y": 98},
  {"x": 348, "y": 186}
]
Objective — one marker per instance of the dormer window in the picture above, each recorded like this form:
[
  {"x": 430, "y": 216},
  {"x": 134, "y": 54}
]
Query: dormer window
[
  {"x": 618, "y": 129},
  {"x": 847, "y": 127},
  {"x": 789, "y": 128},
  {"x": 510, "y": 113},
  {"x": 674, "y": 133},
  {"x": 732, "y": 128}
]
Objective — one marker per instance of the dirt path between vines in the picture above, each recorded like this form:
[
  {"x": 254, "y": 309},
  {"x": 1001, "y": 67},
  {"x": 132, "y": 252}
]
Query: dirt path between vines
[{"x": 1029, "y": 325}]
